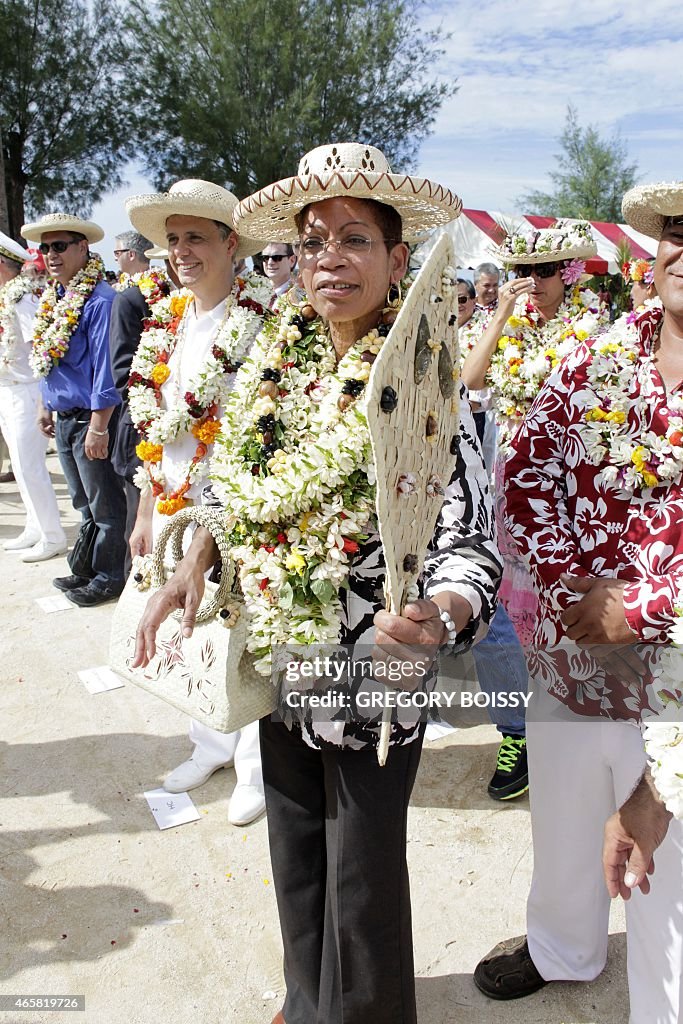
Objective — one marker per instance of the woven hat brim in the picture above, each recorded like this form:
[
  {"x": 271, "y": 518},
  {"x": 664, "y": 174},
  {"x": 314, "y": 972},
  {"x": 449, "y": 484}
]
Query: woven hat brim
[
  {"x": 647, "y": 207},
  {"x": 576, "y": 252},
  {"x": 34, "y": 232},
  {"x": 422, "y": 204},
  {"x": 148, "y": 215}
]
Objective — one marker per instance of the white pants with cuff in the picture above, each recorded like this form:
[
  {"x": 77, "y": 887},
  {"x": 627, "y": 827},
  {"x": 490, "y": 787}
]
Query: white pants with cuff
[
  {"x": 27, "y": 447},
  {"x": 243, "y": 747},
  {"x": 580, "y": 771}
]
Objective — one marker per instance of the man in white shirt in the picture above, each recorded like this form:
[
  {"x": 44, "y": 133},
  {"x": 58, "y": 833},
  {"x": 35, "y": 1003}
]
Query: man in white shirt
[
  {"x": 42, "y": 536},
  {"x": 194, "y": 222}
]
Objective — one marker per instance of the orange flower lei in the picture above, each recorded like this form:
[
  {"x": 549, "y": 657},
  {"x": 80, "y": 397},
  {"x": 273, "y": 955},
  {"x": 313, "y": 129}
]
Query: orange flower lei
[{"x": 196, "y": 412}]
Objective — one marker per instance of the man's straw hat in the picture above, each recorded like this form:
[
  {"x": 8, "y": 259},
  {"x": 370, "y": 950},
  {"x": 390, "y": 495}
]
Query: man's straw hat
[
  {"x": 647, "y": 207},
  {"x": 189, "y": 198},
  {"x": 61, "y": 222}
]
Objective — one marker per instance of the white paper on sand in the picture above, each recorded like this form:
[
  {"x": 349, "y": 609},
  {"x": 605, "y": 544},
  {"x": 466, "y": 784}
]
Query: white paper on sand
[
  {"x": 59, "y": 603},
  {"x": 97, "y": 680},
  {"x": 170, "y": 809},
  {"x": 437, "y": 730}
]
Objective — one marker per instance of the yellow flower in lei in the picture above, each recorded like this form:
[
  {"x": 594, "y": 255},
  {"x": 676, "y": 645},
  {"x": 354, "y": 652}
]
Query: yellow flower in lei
[
  {"x": 160, "y": 374},
  {"x": 207, "y": 432},
  {"x": 57, "y": 318},
  {"x": 149, "y": 452}
]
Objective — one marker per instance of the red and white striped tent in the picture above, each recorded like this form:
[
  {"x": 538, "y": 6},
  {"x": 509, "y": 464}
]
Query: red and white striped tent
[{"x": 476, "y": 231}]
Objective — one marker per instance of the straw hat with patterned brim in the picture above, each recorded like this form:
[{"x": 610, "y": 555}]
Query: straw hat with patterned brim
[
  {"x": 564, "y": 240},
  {"x": 62, "y": 222},
  {"x": 189, "y": 198},
  {"x": 347, "y": 169},
  {"x": 647, "y": 207},
  {"x": 11, "y": 250}
]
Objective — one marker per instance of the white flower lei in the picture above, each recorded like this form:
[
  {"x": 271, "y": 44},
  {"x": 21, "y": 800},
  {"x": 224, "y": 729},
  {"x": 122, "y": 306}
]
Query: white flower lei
[
  {"x": 532, "y": 347},
  {"x": 10, "y": 294},
  {"x": 208, "y": 387},
  {"x": 634, "y": 458},
  {"x": 57, "y": 319},
  {"x": 151, "y": 282},
  {"x": 470, "y": 333},
  {"x": 298, "y": 509}
]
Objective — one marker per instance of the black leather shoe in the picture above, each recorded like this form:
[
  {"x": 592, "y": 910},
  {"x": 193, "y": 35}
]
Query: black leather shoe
[
  {"x": 70, "y": 582},
  {"x": 89, "y": 596},
  {"x": 508, "y": 972}
]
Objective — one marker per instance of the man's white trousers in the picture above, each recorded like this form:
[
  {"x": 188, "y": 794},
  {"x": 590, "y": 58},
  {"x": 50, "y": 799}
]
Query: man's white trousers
[
  {"x": 580, "y": 771},
  {"x": 27, "y": 447},
  {"x": 243, "y": 747}
]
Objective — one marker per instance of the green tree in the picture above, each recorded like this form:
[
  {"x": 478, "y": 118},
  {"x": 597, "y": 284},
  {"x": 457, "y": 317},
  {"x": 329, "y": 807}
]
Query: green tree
[
  {"x": 63, "y": 124},
  {"x": 593, "y": 175},
  {"x": 235, "y": 91}
]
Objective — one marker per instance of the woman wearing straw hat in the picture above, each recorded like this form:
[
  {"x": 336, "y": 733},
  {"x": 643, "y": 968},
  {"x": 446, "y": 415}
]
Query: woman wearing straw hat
[
  {"x": 542, "y": 314},
  {"x": 336, "y": 820}
]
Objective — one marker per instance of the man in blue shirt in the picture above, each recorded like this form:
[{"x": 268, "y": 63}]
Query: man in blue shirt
[{"x": 71, "y": 356}]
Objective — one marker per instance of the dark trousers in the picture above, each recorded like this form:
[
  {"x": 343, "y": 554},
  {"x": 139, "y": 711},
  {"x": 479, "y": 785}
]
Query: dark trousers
[
  {"x": 96, "y": 493},
  {"x": 337, "y": 832},
  {"x": 132, "y": 496}
]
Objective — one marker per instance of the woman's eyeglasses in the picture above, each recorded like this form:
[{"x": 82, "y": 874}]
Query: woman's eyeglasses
[
  {"x": 355, "y": 245},
  {"x": 539, "y": 269},
  {"x": 60, "y": 247}
]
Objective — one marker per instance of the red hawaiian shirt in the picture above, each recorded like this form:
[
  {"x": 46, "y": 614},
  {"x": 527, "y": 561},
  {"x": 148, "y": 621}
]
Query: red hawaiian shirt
[{"x": 564, "y": 520}]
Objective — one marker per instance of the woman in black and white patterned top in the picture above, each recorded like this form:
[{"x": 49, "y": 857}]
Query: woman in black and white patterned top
[{"x": 312, "y": 569}]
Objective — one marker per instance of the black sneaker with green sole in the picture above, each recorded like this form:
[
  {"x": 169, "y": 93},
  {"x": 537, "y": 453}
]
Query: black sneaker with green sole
[{"x": 511, "y": 777}]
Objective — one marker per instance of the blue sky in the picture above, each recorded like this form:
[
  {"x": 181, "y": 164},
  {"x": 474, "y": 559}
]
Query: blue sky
[{"x": 518, "y": 64}]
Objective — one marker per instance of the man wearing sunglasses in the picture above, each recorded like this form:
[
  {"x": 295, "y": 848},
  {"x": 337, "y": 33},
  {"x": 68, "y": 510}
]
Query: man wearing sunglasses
[
  {"x": 129, "y": 253},
  {"x": 278, "y": 263},
  {"x": 71, "y": 356}
]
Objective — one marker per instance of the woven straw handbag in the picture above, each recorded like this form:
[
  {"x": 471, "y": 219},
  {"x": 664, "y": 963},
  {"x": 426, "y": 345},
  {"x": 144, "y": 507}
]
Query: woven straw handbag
[{"x": 210, "y": 675}]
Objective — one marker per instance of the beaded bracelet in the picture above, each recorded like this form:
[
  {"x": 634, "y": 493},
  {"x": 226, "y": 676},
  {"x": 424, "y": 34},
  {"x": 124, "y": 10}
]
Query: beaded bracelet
[
  {"x": 98, "y": 433},
  {"x": 451, "y": 630}
]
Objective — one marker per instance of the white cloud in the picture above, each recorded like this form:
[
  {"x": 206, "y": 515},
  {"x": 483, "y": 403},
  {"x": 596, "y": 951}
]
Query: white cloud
[{"x": 520, "y": 64}]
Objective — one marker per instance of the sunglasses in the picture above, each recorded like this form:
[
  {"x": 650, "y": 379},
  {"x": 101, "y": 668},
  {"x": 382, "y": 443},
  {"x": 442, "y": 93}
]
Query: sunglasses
[
  {"x": 276, "y": 257},
  {"x": 464, "y": 299},
  {"x": 45, "y": 247},
  {"x": 539, "y": 269}
]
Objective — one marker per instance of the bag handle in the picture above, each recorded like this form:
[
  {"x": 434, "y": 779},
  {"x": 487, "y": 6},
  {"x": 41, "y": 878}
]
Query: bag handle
[{"x": 213, "y": 520}]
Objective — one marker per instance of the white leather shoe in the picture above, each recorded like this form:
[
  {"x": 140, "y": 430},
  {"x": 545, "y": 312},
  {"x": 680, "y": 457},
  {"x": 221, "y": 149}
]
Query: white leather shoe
[
  {"x": 41, "y": 551},
  {"x": 246, "y": 804},
  {"x": 189, "y": 775},
  {"x": 24, "y": 540}
]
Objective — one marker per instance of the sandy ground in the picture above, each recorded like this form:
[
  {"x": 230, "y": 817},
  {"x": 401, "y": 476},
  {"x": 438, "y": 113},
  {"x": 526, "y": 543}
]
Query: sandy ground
[{"x": 180, "y": 926}]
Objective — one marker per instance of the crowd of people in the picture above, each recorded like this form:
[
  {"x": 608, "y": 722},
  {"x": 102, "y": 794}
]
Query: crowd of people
[{"x": 557, "y": 557}]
